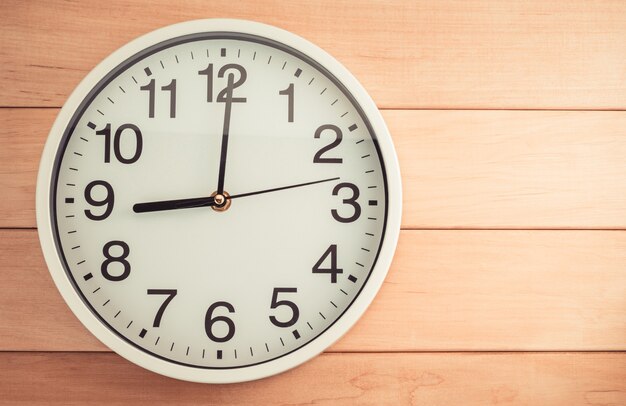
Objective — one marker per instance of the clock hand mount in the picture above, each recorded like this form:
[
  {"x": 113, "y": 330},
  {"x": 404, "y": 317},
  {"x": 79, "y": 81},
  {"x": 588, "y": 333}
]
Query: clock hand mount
[{"x": 220, "y": 202}]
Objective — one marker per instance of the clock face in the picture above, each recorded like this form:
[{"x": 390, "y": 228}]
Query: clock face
[{"x": 219, "y": 201}]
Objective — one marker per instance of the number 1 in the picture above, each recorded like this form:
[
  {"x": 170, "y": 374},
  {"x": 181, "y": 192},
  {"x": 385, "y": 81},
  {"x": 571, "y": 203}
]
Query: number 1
[{"x": 289, "y": 93}]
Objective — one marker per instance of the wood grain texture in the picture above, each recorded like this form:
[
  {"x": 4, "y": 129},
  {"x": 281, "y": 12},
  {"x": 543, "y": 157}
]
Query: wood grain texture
[
  {"x": 431, "y": 65},
  {"x": 408, "y": 54},
  {"x": 461, "y": 169},
  {"x": 331, "y": 379},
  {"x": 447, "y": 290}
]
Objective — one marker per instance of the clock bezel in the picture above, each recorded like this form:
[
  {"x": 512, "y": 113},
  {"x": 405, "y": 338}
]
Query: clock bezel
[{"x": 54, "y": 149}]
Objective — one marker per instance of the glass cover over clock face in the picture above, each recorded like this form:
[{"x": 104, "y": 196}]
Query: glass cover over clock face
[{"x": 219, "y": 200}]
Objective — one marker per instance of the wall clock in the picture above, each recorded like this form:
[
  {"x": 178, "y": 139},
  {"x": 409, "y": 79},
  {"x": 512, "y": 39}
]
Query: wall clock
[{"x": 219, "y": 201}]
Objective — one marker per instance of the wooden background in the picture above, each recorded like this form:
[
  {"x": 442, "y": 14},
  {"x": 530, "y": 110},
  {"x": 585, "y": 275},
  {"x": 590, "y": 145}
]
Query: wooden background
[{"x": 509, "y": 284}]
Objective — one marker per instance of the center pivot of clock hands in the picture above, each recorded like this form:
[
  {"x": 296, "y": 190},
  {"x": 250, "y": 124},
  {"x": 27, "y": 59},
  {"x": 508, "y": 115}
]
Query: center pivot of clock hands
[{"x": 222, "y": 201}]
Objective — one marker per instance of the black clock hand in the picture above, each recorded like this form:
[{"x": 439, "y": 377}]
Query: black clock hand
[
  {"x": 174, "y": 204},
  {"x": 276, "y": 189},
  {"x": 210, "y": 200},
  {"x": 225, "y": 132}
]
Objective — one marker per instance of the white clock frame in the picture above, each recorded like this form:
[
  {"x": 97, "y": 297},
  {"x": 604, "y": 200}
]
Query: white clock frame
[{"x": 302, "y": 354}]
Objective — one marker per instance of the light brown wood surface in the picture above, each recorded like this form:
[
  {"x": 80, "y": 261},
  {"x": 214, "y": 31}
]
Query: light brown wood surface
[
  {"x": 408, "y": 54},
  {"x": 513, "y": 214},
  {"x": 460, "y": 169},
  {"x": 446, "y": 291},
  {"x": 330, "y": 379}
]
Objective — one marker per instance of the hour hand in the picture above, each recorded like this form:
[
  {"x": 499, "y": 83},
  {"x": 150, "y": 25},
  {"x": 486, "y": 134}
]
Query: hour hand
[{"x": 174, "y": 204}]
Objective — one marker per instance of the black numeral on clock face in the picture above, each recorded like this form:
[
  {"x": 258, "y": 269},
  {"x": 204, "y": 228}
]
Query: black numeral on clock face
[
  {"x": 111, "y": 259},
  {"x": 226, "y": 94},
  {"x": 318, "y": 158},
  {"x": 295, "y": 312},
  {"x": 352, "y": 201},
  {"x": 108, "y": 201},
  {"x": 289, "y": 93},
  {"x": 210, "y": 320},
  {"x": 170, "y": 295},
  {"x": 333, "y": 270},
  {"x": 150, "y": 87},
  {"x": 117, "y": 140}
]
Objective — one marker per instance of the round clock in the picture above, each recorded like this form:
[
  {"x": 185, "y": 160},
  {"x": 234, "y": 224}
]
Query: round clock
[{"x": 219, "y": 201}]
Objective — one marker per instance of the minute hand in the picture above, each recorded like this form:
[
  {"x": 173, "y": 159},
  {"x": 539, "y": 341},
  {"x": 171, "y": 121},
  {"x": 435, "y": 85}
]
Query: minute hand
[{"x": 210, "y": 200}]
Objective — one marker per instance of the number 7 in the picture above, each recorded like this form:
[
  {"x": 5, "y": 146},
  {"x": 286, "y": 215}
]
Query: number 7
[{"x": 159, "y": 315}]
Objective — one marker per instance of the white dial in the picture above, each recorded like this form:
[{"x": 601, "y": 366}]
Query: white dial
[{"x": 218, "y": 201}]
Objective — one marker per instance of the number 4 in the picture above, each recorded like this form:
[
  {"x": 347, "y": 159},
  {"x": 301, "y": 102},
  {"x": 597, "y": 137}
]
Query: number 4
[{"x": 333, "y": 270}]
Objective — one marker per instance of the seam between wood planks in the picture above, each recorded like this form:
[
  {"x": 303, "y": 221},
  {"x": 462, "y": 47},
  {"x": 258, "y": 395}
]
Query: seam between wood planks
[{"x": 391, "y": 108}]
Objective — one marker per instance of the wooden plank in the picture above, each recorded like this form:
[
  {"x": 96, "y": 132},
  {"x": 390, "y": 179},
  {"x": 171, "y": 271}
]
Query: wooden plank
[
  {"x": 443, "y": 54},
  {"x": 330, "y": 379},
  {"x": 447, "y": 290},
  {"x": 461, "y": 169}
]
